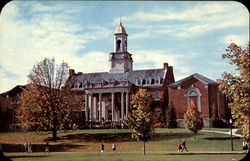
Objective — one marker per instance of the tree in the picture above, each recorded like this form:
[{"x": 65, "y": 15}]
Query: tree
[
  {"x": 47, "y": 103},
  {"x": 171, "y": 116},
  {"x": 193, "y": 119},
  {"x": 140, "y": 119},
  {"x": 214, "y": 117},
  {"x": 236, "y": 86}
]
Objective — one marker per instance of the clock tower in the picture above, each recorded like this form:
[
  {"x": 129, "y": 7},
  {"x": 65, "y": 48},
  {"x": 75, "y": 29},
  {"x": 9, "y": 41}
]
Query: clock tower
[{"x": 120, "y": 60}]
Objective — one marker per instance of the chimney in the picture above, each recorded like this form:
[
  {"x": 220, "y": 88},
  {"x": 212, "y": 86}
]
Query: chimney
[
  {"x": 80, "y": 73},
  {"x": 165, "y": 65},
  {"x": 170, "y": 68},
  {"x": 71, "y": 72}
]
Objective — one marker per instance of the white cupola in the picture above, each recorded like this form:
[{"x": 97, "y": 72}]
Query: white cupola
[
  {"x": 120, "y": 60},
  {"x": 120, "y": 39}
]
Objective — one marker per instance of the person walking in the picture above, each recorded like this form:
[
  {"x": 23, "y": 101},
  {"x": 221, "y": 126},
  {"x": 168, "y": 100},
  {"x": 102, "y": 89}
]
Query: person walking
[
  {"x": 114, "y": 147},
  {"x": 29, "y": 147},
  {"x": 47, "y": 147},
  {"x": 184, "y": 146},
  {"x": 179, "y": 146},
  {"x": 102, "y": 147},
  {"x": 25, "y": 146}
]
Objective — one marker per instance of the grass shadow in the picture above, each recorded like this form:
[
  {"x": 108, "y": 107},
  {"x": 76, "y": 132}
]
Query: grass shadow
[
  {"x": 99, "y": 137},
  {"x": 123, "y": 136},
  {"x": 28, "y": 156},
  {"x": 41, "y": 147},
  {"x": 222, "y": 138},
  {"x": 161, "y": 136}
]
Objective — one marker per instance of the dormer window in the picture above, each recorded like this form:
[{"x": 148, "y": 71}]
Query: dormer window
[
  {"x": 143, "y": 81},
  {"x": 161, "y": 80},
  {"x": 153, "y": 81},
  {"x": 78, "y": 85}
]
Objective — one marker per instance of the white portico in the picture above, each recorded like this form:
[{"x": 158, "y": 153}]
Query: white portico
[{"x": 110, "y": 104}]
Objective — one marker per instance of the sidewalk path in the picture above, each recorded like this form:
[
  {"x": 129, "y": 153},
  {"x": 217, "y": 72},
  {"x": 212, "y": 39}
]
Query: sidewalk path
[{"x": 227, "y": 133}]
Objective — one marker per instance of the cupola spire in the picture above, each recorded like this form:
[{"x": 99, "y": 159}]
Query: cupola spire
[{"x": 121, "y": 59}]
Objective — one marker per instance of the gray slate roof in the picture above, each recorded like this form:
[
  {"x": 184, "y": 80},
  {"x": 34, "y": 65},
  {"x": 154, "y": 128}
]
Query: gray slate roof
[
  {"x": 131, "y": 76},
  {"x": 197, "y": 76}
]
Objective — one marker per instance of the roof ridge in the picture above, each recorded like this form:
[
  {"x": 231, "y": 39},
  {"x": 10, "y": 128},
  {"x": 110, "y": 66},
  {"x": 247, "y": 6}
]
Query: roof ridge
[
  {"x": 148, "y": 69},
  {"x": 196, "y": 76}
]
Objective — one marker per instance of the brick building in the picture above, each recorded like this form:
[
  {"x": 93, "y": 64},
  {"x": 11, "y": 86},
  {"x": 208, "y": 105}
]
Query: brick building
[
  {"x": 8, "y": 102},
  {"x": 204, "y": 92}
]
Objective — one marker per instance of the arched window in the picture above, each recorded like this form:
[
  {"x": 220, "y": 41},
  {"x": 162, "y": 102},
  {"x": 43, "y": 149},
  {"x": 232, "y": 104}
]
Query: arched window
[
  {"x": 153, "y": 81},
  {"x": 143, "y": 82},
  {"x": 193, "y": 94},
  {"x": 118, "y": 45}
]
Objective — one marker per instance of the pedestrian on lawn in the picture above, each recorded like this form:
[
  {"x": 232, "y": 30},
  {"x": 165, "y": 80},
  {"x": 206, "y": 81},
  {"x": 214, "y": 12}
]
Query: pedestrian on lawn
[
  {"x": 184, "y": 146},
  {"x": 47, "y": 147},
  {"x": 102, "y": 147},
  {"x": 29, "y": 147},
  {"x": 179, "y": 146},
  {"x": 25, "y": 146},
  {"x": 114, "y": 147}
]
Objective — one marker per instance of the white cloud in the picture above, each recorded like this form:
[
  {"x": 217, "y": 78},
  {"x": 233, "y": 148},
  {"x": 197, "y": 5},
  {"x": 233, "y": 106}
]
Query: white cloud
[
  {"x": 93, "y": 61},
  {"x": 241, "y": 40},
  {"x": 24, "y": 41},
  {"x": 195, "y": 20},
  {"x": 140, "y": 35},
  {"x": 158, "y": 57}
]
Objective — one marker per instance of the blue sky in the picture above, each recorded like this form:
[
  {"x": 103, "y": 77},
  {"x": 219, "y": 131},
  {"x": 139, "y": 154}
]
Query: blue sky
[{"x": 189, "y": 35}]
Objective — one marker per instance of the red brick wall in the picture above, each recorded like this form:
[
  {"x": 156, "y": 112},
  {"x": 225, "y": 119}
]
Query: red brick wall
[
  {"x": 5, "y": 113},
  {"x": 213, "y": 98},
  {"x": 180, "y": 101}
]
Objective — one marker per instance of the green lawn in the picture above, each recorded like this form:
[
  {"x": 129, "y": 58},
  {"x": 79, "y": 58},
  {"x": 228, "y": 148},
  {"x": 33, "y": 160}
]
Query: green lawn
[
  {"x": 121, "y": 157},
  {"x": 85, "y": 145}
]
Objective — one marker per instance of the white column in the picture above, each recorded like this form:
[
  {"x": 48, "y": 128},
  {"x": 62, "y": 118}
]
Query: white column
[
  {"x": 90, "y": 107},
  {"x": 86, "y": 107},
  {"x": 127, "y": 102},
  {"x": 100, "y": 106},
  {"x": 105, "y": 112},
  {"x": 112, "y": 105},
  {"x": 122, "y": 105},
  {"x": 95, "y": 108}
]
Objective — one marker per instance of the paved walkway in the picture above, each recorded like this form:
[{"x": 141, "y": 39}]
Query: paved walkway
[{"x": 227, "y": 133}]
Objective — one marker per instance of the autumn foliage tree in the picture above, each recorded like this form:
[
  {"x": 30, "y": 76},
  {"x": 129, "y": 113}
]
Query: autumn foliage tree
[
  {"x": 140, "y": 119},
  {"x": 47, "y": 103},
  {"x": 192, "y": 118},
  {"x": 236, "y": 86},
  {"x": 171, "y": 116}
]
